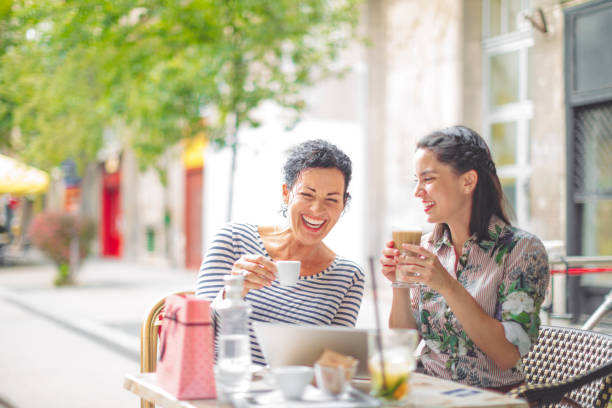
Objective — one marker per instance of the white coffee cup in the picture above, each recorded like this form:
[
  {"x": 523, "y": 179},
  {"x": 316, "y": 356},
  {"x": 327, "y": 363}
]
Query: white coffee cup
[
  {"x": 292, "y": 380},
  {"x": 288, "y": 272}
]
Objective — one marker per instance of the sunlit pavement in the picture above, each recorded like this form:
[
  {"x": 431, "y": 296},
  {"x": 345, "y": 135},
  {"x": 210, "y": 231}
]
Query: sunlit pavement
[{"x": 70, "y": 346}]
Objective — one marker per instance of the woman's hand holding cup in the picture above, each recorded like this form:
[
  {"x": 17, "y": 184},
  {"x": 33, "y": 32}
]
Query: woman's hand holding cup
[
  {"x": 427, "y": 267},
  {"x": 389, "y": 260},
  {"x": 258, "y": 271}
]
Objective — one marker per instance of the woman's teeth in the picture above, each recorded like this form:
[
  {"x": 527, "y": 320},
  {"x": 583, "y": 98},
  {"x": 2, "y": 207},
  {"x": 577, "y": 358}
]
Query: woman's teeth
[
  {"x": 312, "y": 223},
  {"x": 428, "y": 205}
]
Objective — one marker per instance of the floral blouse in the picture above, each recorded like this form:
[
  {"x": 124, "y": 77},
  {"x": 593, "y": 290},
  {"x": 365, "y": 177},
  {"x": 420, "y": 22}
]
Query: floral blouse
[{"x": 507, "y": 275}]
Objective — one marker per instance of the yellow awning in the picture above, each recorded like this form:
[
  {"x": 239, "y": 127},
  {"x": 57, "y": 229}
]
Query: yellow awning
[
  {"x": 19, "y": 178},
  {"x": 193, "y": 151}
]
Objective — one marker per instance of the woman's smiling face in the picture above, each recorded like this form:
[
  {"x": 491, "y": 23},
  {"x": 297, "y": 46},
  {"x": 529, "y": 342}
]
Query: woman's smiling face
[
  {"x": 315, "y": 203},
  {"x": 445, "y": 195}
]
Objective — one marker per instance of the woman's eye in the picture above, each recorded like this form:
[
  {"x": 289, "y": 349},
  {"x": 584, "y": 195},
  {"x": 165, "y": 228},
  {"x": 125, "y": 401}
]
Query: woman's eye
[
  {"x": 307, "y": 195},
  {"x": 333, "y": 200}
]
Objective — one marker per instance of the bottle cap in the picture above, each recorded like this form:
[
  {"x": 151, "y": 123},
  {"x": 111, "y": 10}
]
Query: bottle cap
[
  {"x": 234, "y": 283},
  {"x": 233, "y": 279}
]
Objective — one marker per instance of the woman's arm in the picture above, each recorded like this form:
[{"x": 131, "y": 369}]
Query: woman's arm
[
  {"x": 485, "y": 331},
  {"x": 222, "y": 258},
  {"x": 349, "y": 307},
  {"x": 522, "y": 292},
  {"x": 401, "y": 310},
  {"x": 218, "y": 262}
]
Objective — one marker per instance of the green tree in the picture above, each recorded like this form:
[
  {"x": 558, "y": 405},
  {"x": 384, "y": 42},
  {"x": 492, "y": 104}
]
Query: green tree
[{"x": 70, "y": 69}]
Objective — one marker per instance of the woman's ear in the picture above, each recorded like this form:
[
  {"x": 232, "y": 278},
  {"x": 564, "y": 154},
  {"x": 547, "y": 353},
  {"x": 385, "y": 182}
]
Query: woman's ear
[
  {"x": 285, "y": 194},
  {"x": 470, "y": 180}
]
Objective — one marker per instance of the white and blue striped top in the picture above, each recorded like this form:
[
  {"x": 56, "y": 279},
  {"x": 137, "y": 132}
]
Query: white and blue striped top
[{"x": 330, "y": 297}]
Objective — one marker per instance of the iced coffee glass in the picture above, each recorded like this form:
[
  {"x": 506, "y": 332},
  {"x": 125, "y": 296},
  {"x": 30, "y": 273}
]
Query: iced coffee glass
[{"x": 405, "y": 236}]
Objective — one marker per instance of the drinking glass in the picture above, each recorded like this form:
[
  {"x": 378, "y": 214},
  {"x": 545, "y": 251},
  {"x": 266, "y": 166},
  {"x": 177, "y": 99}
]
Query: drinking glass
[
  {"x": 390, "y": 370},
  {"x": 405, "y": 236},
  {"x": 334, "y": 380}
]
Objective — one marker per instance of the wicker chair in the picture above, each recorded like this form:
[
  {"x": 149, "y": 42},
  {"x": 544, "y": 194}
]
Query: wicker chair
[
  {"x": 148, "y": 339},
  {"x": 568, "y": 367}
]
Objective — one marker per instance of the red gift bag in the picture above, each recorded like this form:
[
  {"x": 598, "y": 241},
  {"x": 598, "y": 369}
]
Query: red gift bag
[{"x": 186, "y": 356}]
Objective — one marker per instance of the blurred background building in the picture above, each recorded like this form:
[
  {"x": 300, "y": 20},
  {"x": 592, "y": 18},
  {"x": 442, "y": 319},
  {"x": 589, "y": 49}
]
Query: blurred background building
[{"x": 532, "y": 76}]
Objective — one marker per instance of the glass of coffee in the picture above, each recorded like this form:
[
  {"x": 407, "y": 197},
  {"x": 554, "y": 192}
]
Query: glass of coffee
[{"x": 405, "y": 236}]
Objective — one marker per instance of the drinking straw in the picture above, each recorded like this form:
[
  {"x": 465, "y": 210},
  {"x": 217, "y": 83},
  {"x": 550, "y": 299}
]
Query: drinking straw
[{"x": 378, "y": 330}]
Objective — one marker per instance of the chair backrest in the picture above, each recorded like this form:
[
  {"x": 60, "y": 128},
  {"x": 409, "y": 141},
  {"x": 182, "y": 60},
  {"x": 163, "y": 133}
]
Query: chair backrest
[
  {"x": 149, "y": 337},
  {"x": 563, "y": 352}
]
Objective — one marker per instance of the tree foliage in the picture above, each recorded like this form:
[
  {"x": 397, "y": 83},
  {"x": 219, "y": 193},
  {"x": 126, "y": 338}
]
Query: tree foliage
[{"x": 71, "y": 69}]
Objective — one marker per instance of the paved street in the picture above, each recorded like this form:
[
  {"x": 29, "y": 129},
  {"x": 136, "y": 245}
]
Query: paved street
[{"x": 70, "y": 347}]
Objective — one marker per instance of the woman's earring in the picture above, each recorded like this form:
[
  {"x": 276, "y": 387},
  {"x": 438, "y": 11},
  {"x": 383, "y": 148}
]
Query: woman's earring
[{"x": 283, "y": 210}]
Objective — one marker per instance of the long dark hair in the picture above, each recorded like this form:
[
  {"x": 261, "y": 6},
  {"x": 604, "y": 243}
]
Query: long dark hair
[{"x": 463, "y": 149}]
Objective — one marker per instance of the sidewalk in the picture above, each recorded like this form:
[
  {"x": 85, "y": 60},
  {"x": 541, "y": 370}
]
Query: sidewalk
[
  {"x": 109, "y": 299},
  {"x": 70, "y": 346}
]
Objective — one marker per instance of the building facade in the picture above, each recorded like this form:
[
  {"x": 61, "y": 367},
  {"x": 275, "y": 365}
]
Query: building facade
[
  {"x": 522, "y": 73},
  {"x": 531, "y": 76}
]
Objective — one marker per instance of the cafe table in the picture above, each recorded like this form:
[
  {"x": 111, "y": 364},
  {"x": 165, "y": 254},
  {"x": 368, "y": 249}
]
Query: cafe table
[{"x": 426, "y": 391}]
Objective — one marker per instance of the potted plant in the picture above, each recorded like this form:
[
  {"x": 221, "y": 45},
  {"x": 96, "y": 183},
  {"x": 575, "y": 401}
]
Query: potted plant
[{"x": 60, "y": 235}]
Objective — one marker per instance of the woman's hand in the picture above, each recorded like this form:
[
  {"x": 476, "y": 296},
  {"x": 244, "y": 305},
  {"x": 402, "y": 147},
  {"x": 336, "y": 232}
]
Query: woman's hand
[
  {"x": 388, "y": 260},
  {"x": 257, "y": 270},
  {"x": 425, "y": 268},
  {"x": 400, "y": 315}
]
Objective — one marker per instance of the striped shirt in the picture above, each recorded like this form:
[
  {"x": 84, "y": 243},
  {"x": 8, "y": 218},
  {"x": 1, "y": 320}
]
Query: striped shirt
[
  {"x": 507, "y": 274},
  {"x": 330, "y": 297}
]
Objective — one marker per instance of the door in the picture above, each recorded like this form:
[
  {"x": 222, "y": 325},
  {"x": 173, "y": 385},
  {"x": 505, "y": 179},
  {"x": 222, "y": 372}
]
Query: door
[
  {"x": 193, "y": 217},
  {"x": 588, "y": 87},
  {"x": 111, "y": 215}
]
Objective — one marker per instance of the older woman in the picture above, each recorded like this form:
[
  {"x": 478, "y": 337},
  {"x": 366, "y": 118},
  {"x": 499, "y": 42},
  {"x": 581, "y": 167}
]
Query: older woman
[
  {"x": 330, "y": 287},
  {"x": 484, "y": 280}
]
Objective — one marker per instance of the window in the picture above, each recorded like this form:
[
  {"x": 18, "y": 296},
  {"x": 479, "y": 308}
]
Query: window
[
  {"x": 504, "y": 85},
  {"x": 507, "y": 110}
]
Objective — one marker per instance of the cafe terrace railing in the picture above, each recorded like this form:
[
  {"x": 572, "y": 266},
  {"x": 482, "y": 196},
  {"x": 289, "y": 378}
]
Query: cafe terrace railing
[{"x": 578, "y": 266}]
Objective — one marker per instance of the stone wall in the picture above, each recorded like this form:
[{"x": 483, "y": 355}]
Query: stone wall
[{"x": 546, "y": 90}]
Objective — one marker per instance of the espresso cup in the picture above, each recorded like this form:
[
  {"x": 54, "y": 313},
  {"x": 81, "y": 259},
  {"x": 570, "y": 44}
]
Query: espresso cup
[
  {"x": 288, "y": 272},
  {"x": 292, "y": 380}
]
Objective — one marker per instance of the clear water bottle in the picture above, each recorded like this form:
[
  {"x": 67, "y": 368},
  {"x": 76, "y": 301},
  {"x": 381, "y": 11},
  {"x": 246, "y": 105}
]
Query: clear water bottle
[{"x": 233, "y": 348}]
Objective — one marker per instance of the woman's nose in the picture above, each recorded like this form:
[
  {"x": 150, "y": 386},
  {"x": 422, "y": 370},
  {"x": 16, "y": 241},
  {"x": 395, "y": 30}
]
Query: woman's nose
[
  {"x": 317, "y": 206},
  {"x": 418, "y": 191}
]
